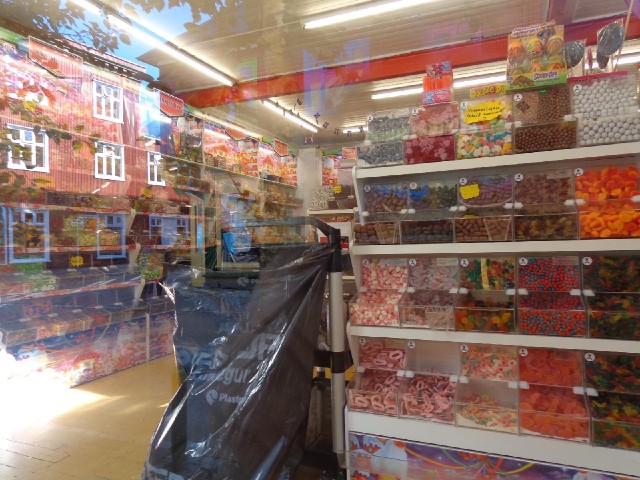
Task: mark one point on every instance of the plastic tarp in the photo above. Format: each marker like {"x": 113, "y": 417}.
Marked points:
{"x": 246, "y": 344}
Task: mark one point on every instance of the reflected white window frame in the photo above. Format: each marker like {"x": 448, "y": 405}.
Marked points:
{"x": 112, "y": 221}
{"x": 108, "y": 98}
{"x": 28, "y": 137}
{"x": 38, "y": 218}
{"x": 154, "y": 175}
{"x": 107, "y": 156}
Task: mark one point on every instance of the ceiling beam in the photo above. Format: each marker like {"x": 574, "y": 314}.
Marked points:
{"x": 562, "y": 11}
{"x": 472, "y": 53}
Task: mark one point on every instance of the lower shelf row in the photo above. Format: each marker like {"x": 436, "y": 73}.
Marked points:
{"x": 608, "y": 419}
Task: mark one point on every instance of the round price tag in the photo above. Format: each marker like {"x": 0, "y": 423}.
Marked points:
{"x": 370, "y": 118}
{"x": 362, "y": 341}
{"x": 464, "y": 348}
{"x": 413, "y": 262}
{"x": 463, "y": 105}
{"x": 519, "y": 177}
{"x": 365, "y": 263}
{"x": 413, "y": 185}
{"x": 523, "y": 261}
{"x": 464, "y": 262}
{"x": 367, "y": 188}
{"x": 517, "y": 97}
{"x": 578, "y": 172}
{"x": 589, "y": 357}
{"x": 577, "y": 88}
{"x": 414, "y": 111}
{"x": 411, "y": 344}
{"x": 523, "y": 352}
{"x": 586, "y": 261}
{"x": 463, "y": 181}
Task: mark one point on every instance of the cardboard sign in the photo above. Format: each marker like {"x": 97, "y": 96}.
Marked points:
{"x": 281, "y": 148}
{"x": 349, "y": 153}
{"x": 486, "y": 90}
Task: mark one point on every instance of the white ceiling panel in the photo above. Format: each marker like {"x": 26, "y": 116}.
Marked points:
{"x": 589, "y": 9}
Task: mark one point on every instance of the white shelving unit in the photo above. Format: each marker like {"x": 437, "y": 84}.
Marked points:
{"x": 537, "y": 449}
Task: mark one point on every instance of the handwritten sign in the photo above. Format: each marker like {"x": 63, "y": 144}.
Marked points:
{"x": 483, "y": 112}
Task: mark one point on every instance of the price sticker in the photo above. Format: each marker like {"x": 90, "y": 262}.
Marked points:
{"x": 577, "y": 88}
{"x": 415, "y": 111}
{"x": 578, "y": 172}
{"x": 362, "y": 341}
{"x": 523, "y": 352}
{"x": 589, "y": 357}
{"x": 517, "y": 97}
{"x": 365, "y": 263}
{"x": 519, "y": 177}
{"x": 523, "y": 261}
{"x": 413, "y": 262}
{"x": 367, "y": 188}
{"x": 463, "y": 181}
{"x": 411, "y": 344}
{"x": 464, "y": 348}
{"x": 586, "y": 261}
{"x": 463, "y": 105}
{"x": 413, "y": 185}
{"x": 464, "y": 262}
{"x": 370, "y": 118}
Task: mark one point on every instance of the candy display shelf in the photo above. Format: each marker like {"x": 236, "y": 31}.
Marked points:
{"x": 622, "y": 462}
{"x": 388, "y": 197}
{"x": 552, "y": 157}
{"x": 446, "y": 249}
{"x": 571, "y": 343}
{"x": 65, "y": 208}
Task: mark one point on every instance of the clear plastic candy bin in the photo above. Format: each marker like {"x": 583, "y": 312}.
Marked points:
{"x": 605, "y": 130}
{"x": 545, "y": 222}
{"x": 551, "y": 313}
{"x": 385, "y": 201}
{"x": 478, "y": 144}
{"x": 485, "y": 190}
{"x": 543, "y": 137}
{"x": 615, "y": 420}
{"x": 489, "y": 362}
{"x": 380, "y": 154}
{"x": 374, "y": 391}
{"x": 388, "y": 125}
{"x": 381, "y": 353}
{"x": 485, "y": 311}
{"x": 375, "y": 308}
{"x": 435, "y": 226}
{"x": 490, "y": 224}
{"x": 545, "y": 366}
{"x": 543, "y": 105}
{"x": 549, "y": 274}
{"x": 553, "y": 187}
{"x": 488, "y": 273}
{"x": 487, "y": 405}
{"x": 437, "y": 119}
{"x": 428, "y": 397}
{"x": 431, "y": 309}
{"x": 376, "y": 233}
{"x": 604, "y": 95}
{"x": 433, "y": 273}
{"x": 555, "y": 412}
{"x": 384, "y": 273}
{"x": 486, "y": 114}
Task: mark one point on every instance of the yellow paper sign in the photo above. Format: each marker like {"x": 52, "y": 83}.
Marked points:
{"x": 485, "y": 90}
{"x": 483, "y": 112}
{"x": 470, "y": 191}
{"x": 337, "y": 189}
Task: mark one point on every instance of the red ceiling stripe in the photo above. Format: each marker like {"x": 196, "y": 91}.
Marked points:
{"x": 471, "y": 53}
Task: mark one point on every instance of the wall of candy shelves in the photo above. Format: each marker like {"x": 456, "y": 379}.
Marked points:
{"x": 497, "y": 265}
{"x": 102, "y": 182}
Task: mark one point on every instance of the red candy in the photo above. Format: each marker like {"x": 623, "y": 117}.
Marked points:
{"x": 429, "y": 149}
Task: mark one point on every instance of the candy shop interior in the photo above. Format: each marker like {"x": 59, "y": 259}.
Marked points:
{"x": 169, "y": 168}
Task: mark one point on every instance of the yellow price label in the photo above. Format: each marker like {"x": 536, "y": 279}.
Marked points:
{"x": 337, "y": 189}
{"x": 483, "y": 112}
{"x": 470, "y": 191}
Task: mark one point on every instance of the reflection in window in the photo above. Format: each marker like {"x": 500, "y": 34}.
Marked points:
{"x": 109, "y": 159}
{"x": 170, "y": 231}
{"x": 111, "y": 236}
{"x": 107, "y": 102}
{"x": 154, "y": 169}
{"x": 29, "y": 150}
{"x": 28, "y": 235}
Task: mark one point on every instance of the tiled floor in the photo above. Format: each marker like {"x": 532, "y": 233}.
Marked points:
{"x": 98, "y": 431}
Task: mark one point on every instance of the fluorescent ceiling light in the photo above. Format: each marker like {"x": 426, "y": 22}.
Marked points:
{"x": 397, "y": 93}
{"x": 289, "y": 115}
{"x": 461, "y": 83}
{"x": 355, "y": 129}
{"x": 356, "y": 14}
{"x": 172, "y": 51}
{"x": 470, "y": 82}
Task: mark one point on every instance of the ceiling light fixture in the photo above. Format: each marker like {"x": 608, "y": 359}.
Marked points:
{"x": 157, "y": 42}
{"x": 628, "y": 60}
{"x": 460, "y": 83}
{"x": 358, "y": 13}
{"x": 288, "y": 114}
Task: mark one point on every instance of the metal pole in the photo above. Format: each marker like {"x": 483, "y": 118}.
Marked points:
{"x": 337, "y": 336}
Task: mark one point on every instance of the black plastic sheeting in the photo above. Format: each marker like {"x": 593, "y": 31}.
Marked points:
{"x": 245, "y": 343}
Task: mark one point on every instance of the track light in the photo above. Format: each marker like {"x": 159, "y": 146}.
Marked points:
{"x": 358, "y": 13}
